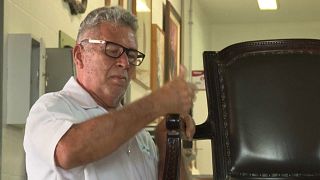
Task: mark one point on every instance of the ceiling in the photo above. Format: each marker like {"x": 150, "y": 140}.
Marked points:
{"x": 247, "y": 11}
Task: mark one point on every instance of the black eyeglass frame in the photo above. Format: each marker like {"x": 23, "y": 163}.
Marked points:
{"x": 136, "y": 62}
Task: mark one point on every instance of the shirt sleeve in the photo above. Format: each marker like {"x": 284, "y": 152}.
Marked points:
{"x": 49, "y": 119}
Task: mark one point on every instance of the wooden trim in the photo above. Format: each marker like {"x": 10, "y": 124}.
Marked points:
{"x": 107, "y": 2}
{"x": 134, "y": 7}
{"x": 1, "y": 67}
{"x": 120, "y": 3}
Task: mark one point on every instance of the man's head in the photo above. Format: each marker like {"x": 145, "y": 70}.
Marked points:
{"x": 106, "y": 54}
{"x": 114, "y": 15}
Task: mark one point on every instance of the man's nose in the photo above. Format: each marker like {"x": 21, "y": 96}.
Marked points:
{"x": 123, "y": 61}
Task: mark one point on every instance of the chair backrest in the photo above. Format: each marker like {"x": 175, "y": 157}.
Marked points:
{"x": 264, "y": 110}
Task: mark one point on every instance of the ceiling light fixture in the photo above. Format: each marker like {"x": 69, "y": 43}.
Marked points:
{"x": 268, "y": 4}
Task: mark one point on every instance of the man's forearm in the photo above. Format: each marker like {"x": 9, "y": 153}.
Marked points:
{"x": 96, "y": 138}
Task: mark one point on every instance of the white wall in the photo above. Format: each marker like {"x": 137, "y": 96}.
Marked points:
{"x": 223, "y": 35}
{"x": 43, "y": 19}
{"x": 157, "y": 12}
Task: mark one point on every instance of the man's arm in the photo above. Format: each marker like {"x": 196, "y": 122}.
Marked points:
{"x": 98, "y": 137}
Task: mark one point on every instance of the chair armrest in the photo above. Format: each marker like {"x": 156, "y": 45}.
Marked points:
{"x": 173, "y": 148}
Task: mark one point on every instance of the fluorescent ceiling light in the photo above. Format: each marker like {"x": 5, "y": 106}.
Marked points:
{"x": 267, "y": 4}
{"x": 142, "y": 6}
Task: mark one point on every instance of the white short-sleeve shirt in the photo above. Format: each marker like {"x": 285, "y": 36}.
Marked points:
{"x": 51, "y": 117}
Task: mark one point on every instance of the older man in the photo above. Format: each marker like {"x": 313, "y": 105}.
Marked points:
{"x": 82, "y": 131}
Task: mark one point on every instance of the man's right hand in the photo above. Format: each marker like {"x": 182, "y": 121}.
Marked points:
{"x": 177, "y": 95}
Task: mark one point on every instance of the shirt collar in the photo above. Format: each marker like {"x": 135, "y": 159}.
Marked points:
{"x": 73, "y": 89}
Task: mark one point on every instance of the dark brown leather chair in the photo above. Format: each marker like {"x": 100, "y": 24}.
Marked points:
{"x": 264, "y": 110}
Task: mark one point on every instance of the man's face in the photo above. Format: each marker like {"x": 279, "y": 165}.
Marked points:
{"x": 107, "y": 77}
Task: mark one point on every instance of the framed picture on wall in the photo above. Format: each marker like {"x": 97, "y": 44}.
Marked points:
{"x": 113, "y": 2}
{"x": 172, "y": 26}
{"x": 107, "y": 2}
{"x": 157, "y": 57}
{"x": 66, "y": 41}
{"x": 129, "y": 5}
{"x": 126, "y": 4}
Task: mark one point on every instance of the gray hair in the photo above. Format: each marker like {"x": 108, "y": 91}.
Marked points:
{"x": 113, "y": 14}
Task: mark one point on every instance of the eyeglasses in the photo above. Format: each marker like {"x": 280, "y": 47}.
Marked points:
{"x": 115, "y": 50}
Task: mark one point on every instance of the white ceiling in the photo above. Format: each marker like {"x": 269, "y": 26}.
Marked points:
{"x": 247, "y": 11}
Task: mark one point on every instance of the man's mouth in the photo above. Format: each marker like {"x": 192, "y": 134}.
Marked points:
{"x": 119, "y": 78}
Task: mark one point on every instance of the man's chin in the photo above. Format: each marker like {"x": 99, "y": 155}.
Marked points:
{"x": 119, "y": 88}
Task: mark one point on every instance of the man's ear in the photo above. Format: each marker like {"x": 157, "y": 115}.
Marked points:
{"x": 77, "y": 56}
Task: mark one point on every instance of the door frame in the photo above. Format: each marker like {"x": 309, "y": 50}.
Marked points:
{"x": 1, "y": 76}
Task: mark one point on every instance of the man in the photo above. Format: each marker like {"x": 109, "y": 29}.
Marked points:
{"x": 82, "y": 131}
